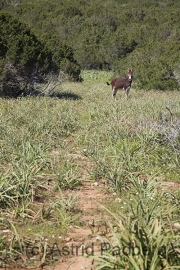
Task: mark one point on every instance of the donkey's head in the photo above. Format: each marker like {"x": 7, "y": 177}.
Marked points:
{"x": 130, "y": 74}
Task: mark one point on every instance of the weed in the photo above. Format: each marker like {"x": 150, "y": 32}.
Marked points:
{"x": 67, "y": 175}
{"x": 129, "y": 144}
{"x": 143, "y": 238}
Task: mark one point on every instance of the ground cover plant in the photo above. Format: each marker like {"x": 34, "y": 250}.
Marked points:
{"x": 143, "y": 234}
{"x": 132, "y": 145}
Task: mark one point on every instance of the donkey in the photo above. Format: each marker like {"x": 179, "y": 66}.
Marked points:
{"x": 122, "y": 83}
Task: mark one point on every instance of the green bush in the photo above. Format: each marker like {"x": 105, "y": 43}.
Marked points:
{"x": 24, "y": 58}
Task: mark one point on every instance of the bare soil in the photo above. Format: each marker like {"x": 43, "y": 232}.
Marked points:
{"x": 86, "y": 239}
{"x": 85, "y": 243}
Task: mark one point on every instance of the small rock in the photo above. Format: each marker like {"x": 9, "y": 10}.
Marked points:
{"x": 67, "y": 239}
{"x": 176, "y": 225}
{"x": 6, "y": 231}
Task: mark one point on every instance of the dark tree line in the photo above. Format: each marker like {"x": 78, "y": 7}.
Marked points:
{"x": 108, "y": 35}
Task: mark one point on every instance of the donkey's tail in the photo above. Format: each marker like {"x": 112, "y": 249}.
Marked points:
{"x": 108, "y": 83}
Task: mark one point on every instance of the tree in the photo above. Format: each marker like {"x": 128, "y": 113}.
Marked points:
{"x": 63, "y": 57}
{"x": 24, "y": 59}
{"x": 155, "y": 66}
{"x": 143, "y": 34}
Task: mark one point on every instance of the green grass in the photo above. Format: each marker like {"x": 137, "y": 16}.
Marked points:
{"x": 123, "y": 139}
{"x": 141, "y": 234}
{"x": 96, "y": 75}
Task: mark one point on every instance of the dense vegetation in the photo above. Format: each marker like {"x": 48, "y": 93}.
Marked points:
{"x": 108, "y": 35}
{"x": 25, "y": 60}
{"x": 51, "y": 147}
{"x": 132, "y": 147}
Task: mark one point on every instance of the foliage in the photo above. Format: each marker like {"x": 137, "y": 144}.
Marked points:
{"x": 131, "y": 145}
{"x": 63, "y": 57}
{"x": 156, "y": 69}
{"x": 111, "y": 35}
{"x": 142, "y": 231}
{"x": 31, "y": 158}
{"x": 24, "y": 58}
{"x": 67, "y": 176}
{"x": 96, "y": 75}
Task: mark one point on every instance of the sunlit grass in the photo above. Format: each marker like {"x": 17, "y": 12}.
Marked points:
{"x": 120, "y": 139}
{"x": 96, "y": 75}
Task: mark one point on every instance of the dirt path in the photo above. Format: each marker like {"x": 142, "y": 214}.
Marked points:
{"x": 81, "y": 239}
{"x": 85, "y": 241}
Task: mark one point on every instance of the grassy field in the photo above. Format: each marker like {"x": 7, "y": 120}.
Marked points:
{"x": 133, "y": 145}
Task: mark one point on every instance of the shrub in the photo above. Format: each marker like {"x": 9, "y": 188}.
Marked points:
{"x": 24, "y": 58}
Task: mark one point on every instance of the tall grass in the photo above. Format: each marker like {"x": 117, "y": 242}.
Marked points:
{"x": 142, "y": 235}
{"x": 122, "y": 139}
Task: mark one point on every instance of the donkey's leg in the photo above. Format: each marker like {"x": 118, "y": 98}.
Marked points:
{"x": 127, "y": 91}
{"x": 114, "y": 92}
